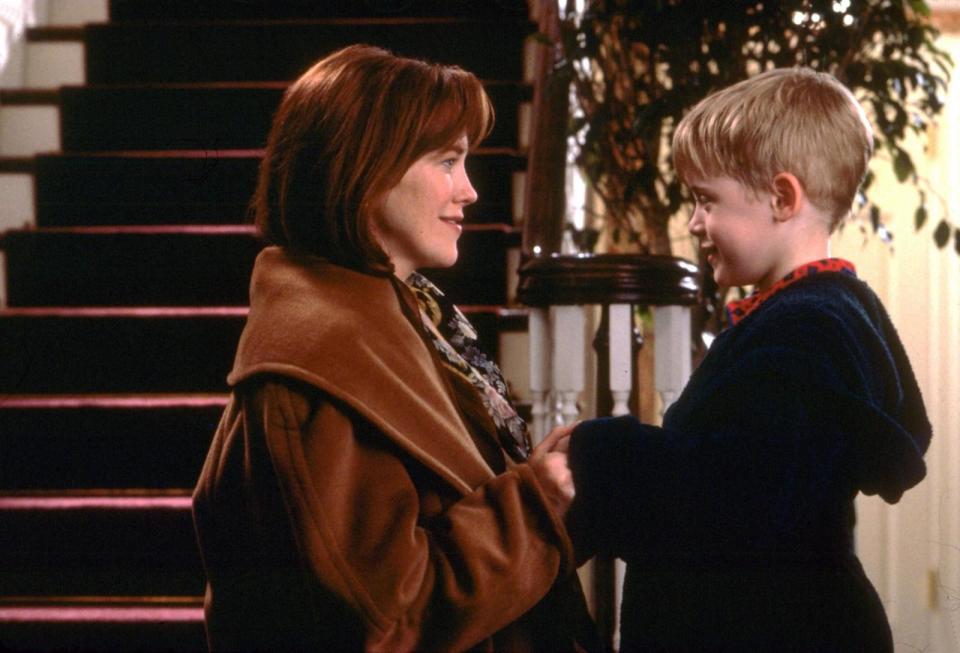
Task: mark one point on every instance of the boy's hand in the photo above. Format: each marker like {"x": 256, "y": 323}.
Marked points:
{"x": 549, "y": 463}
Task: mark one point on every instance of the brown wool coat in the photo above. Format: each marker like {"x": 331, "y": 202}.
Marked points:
{"x": 344, "y": 504}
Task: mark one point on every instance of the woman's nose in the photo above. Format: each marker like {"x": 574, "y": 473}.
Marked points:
{"x": 466, "y": 193}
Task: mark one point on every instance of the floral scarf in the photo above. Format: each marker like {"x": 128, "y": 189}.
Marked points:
{"x": 455, "y": 340}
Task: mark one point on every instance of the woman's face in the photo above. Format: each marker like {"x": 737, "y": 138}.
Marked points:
{"x": 421, "y": 218}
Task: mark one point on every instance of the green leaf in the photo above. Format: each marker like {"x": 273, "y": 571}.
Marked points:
{"x": 920, "y": 7}
{"x": 920, "y": 217}
{"x": 942, "y": 234}
{"x": 902, "y": 165}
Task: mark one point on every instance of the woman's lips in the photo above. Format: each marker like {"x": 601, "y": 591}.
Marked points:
{"x": 454, "y": 222}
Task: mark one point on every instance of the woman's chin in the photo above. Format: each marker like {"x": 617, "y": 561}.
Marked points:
{"x": 445, "y": 261}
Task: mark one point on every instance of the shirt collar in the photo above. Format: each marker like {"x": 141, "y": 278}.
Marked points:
{"x": 741, "y": 308}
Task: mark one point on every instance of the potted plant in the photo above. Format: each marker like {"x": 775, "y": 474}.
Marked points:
{"x": 637, "y": 65}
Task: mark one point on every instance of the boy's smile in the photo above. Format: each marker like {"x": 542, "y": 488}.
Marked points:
{"x": 737, "y": 232}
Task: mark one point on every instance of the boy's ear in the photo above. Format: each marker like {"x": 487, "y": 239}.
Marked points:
{"x": 787, "y": 196}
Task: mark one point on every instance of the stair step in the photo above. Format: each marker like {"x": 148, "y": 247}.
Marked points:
{"x": 157, "y": 170}
{"x": 99, "y": 544}
{"x": 70, "y": 442}
{"x": 127, "y": 350}
{"x": 55, "y": 33}
{"x": 189, "y": 10}
{"x": 102, "y": 624}
{"x": 204, "y": 186}
{"x": 186, "y": 266}
{"x": 125, "y": 53}
{"x": 209, "y": 116}
{"x": 152, "y": 266}
{"x": 27, "y": 97}
{"x": 15, "y": 165}
{"x": 76, "y": 351}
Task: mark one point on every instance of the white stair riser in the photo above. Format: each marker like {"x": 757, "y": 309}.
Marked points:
{"x": 52, "y": 64}
{"x": 16, "y": 209}
{"x": 27, "y": 130}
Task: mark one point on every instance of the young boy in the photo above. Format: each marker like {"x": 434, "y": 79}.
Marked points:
{"x": 736, "y": 517}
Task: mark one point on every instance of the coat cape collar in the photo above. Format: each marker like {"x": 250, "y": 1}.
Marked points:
{"x": 346, "y": 333}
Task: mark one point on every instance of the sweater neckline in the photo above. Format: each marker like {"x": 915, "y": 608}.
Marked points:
{"x": 741, "y": 308}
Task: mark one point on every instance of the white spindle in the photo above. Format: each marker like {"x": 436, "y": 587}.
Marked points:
{"x": 540, "y": 355}
{"x": 568, "y": 323}
{"x": 672, "y": 351}
{"x": 621, "y": 356}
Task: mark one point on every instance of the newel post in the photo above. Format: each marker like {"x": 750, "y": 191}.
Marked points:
{"x": 559, "y": 289}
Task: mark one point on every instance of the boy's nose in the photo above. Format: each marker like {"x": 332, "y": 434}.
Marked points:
{"x": 695, "y": 225}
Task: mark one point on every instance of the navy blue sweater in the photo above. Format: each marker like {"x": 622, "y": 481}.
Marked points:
{"x": 736, "y": 517}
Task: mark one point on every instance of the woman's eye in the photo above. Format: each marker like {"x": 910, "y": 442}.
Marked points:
{"x": 448, "y": 163}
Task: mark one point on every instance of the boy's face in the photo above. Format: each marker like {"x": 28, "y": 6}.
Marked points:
{"x": 736, "y": 230}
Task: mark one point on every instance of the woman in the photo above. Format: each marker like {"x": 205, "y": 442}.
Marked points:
{"x": 368, "y": 487}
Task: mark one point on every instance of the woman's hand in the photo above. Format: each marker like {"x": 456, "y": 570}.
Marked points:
{"x": 549, "y": 463}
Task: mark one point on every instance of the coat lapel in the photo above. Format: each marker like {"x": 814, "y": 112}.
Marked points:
{"x": 344, "y": 332}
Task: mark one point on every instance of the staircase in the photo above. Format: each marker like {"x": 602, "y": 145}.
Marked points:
{"x": 126, "y": 298}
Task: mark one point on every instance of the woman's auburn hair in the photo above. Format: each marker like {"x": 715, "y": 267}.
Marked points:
{"x": 344, "y": 134}
{"x": 783, "y": 120}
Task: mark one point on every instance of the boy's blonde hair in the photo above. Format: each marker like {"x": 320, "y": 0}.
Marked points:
{"x": 784, "y": 120}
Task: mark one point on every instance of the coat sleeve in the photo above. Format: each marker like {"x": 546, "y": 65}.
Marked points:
{"x": 443, "y": 583}
{"x": 769, "y": 452}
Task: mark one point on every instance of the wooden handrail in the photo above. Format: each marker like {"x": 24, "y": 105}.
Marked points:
{"x": 545, "y": 201}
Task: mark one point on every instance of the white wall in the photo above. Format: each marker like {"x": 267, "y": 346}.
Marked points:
{"x": 912, "y": 550}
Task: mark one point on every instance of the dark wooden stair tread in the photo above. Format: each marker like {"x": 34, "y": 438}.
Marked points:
{"x": 197, "y": 186}
{"x": 118, "y": 53}
{"x": 111, "y": 542}
{"x": 72, "y": 442}
{"x": 143, "y": 349}
{"x": 102, "y": 623}
{"x": 125, "y": 350}
{"x": 212, "y": 115}
{"x": 196, "y": 265}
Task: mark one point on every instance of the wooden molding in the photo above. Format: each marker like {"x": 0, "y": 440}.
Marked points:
{"x": 608, "y": 279}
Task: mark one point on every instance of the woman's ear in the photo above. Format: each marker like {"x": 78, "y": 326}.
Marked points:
{"x": 787, "y": 197}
